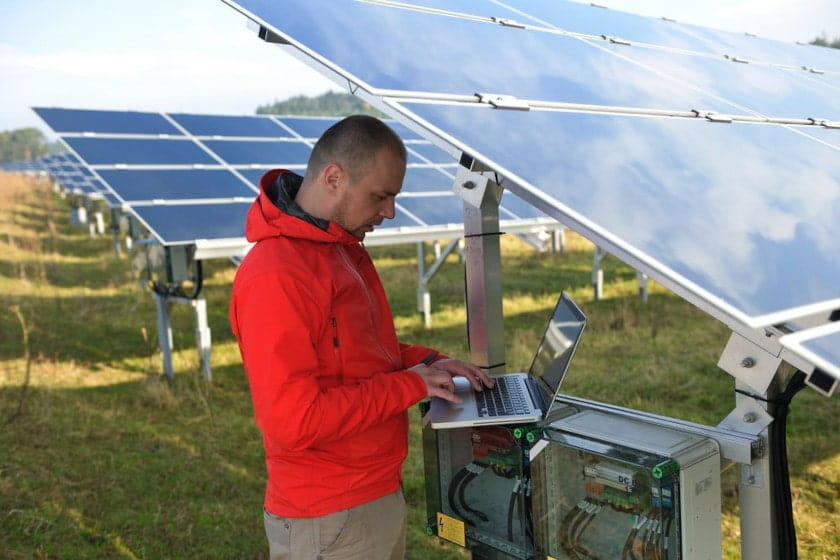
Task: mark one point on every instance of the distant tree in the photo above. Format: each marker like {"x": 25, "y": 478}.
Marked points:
{"x": 24, "y": 144}
{"x": 329, "y": 104}
{"x": 824, "y": 42}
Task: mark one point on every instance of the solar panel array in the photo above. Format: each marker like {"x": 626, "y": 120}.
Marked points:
{"x": 707, "y": 160}
{"x": 190, "y": 178}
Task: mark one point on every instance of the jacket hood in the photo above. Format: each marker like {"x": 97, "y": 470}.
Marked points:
{"x": 275, "y": 213}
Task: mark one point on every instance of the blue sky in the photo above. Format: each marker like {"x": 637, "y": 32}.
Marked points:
{"x": 199, "y": 56}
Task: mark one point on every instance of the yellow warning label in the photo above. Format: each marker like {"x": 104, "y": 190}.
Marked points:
{"x": 550, "y": 558}
{"x": 451, "y": 529}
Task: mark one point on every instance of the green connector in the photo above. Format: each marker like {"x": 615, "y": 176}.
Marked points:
{"x": 530, "y": 432}
{"x": 519, "y": 431}
{"x": 664, "y": 468}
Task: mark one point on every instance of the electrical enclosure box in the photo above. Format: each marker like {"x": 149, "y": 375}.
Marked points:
{"x": 589, "y": 485}
{"x": 172, "y": 265}
{"x": 476, "y": 490}
{"x": 607, "y": 486}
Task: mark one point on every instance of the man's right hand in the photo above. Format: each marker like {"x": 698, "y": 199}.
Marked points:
{"x": 438, "y": 383}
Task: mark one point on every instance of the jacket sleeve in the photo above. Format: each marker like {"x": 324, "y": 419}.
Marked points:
{"x": 413, "y": 354}
{"x": 279, "y": 321}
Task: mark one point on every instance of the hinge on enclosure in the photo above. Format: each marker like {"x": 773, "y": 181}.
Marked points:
{"x": 734, "y": 58}
{"x": 711, "y": 116}
{"x": 616, "y": 40}
{"x": 508, "y": 22}
{"x": 500, "y": 101}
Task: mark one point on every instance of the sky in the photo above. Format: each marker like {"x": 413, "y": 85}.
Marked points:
{"x": 199, "y": 55}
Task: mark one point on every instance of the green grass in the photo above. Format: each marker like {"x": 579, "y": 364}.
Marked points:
{"x": 100, "y": 458}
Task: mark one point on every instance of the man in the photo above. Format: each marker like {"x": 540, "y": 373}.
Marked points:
{"x": 329, "y": 380}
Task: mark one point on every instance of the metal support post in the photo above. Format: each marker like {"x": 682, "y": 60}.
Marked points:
{"x": 481, "y": 198}
{"x": 202, "y": 332}
{"x": 558, "y": 240}
{"x": 202, "y": 336}
{"x": 115, "y": 231}
{"x": 598, "y": 272}
{"x": 642, "y": 281}
{"x": 424, "y": 299}
{"x": 164, "y": 333}
{"x": 759, "y": 373}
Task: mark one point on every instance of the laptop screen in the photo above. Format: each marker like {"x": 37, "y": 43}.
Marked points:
{"x": 561, "y": 337}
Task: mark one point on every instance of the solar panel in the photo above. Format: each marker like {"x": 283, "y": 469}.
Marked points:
{"x": 576, "y": 72}
{"x": 184, "y": 224}
{"x": 124, "y": 122}
{"x": 175, "y": 184}
{"x": 702, "y": 206}
{"x": 230, "y": 125}
{"x": 247, "y": 152}
{"x": 138, "y": 151}
{"x": 308, "y": 127}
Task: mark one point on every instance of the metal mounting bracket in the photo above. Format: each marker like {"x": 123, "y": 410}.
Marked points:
{"x": 616, "y": 40}
{"x": 749, "y": 363}
{"x": 711, "y": 116}
{"x": 501, "y": 101}
{"x": 748, "y": 417}
{"x": 738, "y": 59}
{"x": 508, "y": 22}
{"x": 474, "y": 188}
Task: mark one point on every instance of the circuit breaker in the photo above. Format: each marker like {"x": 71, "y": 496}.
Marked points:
{"x": 587, "y": 485}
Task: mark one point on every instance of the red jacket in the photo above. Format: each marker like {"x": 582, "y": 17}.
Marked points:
{"x": 326, "y": 372}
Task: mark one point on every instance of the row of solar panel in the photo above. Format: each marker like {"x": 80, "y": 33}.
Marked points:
{"x": 184, "y": 188}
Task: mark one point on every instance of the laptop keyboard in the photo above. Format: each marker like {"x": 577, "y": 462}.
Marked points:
{"x": 504, "y": 399}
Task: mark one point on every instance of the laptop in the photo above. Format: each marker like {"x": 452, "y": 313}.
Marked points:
{"x": 532, "y": 394}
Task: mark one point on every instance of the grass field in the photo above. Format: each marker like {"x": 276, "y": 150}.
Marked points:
{"x": 101, "y": 458}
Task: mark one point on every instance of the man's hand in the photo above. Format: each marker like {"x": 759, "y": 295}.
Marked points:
{"x": 438, "y": 382}
{"x": 477, "y": 377}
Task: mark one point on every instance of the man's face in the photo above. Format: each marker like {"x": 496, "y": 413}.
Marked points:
{"x": 367, "y": 201}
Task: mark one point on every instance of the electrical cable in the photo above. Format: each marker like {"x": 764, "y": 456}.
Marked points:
{"x": 627, "y": 549}
{"x": 564, "y": 534}
{"x": 779, "y": 469}
{"x": 511, "y": 509}
{"x": 453, "y": 490}
{"x": 462, "y": 496}
{"x": 591, "y": 511}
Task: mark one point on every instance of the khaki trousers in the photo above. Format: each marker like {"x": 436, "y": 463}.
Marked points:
{"x": 371, "y": 531}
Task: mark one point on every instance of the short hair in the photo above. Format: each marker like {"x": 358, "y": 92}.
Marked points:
{"x": 353, "y": 142}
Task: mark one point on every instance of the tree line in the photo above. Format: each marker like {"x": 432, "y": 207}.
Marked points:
{"x": 329, "y": 104}
{"x": 25, "y": 144}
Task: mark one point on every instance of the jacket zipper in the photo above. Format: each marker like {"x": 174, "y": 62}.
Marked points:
{"x": 346, "y": 259}
{"x": 336, "y": 346}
